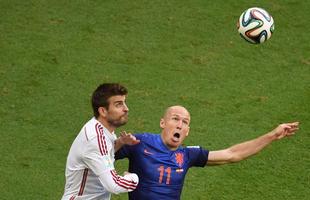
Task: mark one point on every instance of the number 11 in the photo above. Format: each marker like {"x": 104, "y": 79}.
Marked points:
{"x": 162, "y": 170}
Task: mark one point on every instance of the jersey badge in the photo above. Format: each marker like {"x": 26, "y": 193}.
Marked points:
{"x": 107, "y": 162}
{"x": 179, "y": 158}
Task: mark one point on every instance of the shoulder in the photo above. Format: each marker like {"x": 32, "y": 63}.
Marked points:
{"x": 145, "y": 136}
{"x": 92, "y": 129}
{"x": 197, "y": 155}
{"x": 196, "y": 150}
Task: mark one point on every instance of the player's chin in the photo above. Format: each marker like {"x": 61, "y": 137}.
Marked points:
{"x": 124, "y": 119}
{"x": 174, "y": 144}
{"x": 172, "y": 147}
{"x": 120, "y": 122}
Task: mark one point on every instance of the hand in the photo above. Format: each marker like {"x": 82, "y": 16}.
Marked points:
{"x": 284, "y": 130}
{"x": 128, "y": 138}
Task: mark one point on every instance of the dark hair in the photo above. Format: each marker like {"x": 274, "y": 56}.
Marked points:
{"x": 101, "y": 95}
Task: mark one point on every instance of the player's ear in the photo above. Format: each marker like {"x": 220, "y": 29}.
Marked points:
{"x": 187, "y": 131}
{"x": 162, "y": 123}
{"x": 102, "y": 111}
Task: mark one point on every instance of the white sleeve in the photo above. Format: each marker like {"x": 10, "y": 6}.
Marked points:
{"x": 117, "y": 184}
{"x": 103, "y": 167}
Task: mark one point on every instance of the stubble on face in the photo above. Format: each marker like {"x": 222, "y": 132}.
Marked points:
{"x": 117, "y": 111}
{"x": 118, "y": 121}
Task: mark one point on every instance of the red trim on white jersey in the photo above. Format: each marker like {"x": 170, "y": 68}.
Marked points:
{"x": 83, "y": 182}
{"x": 105, "y": 144}
{"x": 123, "y": 182}
{"x": 101, "y": 139}
{"x": 72, "y": 198}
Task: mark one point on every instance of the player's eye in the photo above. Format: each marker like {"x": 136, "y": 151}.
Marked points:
{"x": 119, "y": 104}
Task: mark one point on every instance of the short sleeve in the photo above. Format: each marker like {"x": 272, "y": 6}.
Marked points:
{"x": 198, "y": 156}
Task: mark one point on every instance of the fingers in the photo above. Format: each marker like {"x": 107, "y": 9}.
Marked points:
{"x": 292, "y": 125}
{"x": 290, "y": 128}
{"x": 136, "y": 141}
{"x": 286, "y": 129}
{"x": 128, "y": 138}
{"x": 124, "y": 134}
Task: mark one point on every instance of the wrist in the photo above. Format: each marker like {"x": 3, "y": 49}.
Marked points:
{"x": 119, "y": 141}
{"x": 272, "y": 136}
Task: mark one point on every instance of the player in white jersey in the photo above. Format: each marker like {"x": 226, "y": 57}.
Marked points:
{"x": 90, "y": 172}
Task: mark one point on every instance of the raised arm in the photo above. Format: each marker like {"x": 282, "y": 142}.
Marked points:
{"x": 125, "y": 138}
{"x": 246, "y": 149}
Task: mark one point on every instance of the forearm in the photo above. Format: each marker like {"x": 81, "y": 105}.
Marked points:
{"x": 116, "y": 184}
{"x": 246, "y": 149}
{"x": 118, "y": 144}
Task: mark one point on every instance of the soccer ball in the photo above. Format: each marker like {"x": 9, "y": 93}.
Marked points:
{"x": 255, "y": 25}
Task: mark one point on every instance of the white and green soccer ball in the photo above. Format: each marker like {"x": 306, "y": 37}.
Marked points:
{"x": 255, "y": 25}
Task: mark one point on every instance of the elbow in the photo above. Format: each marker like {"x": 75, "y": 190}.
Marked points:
{"x": 235, "y": 157}
{"x": 239, "y": 156}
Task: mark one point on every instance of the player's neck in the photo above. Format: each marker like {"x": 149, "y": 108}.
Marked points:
{"x": 167, "y": 145}
{"x": 106, "y": 124}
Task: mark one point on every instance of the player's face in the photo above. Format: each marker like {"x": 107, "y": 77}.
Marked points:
{"x": 175, "y": 126}
{"x": 117, "y": 112}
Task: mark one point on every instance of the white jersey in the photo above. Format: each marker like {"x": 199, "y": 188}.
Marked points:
{"x": 90, "y": 172}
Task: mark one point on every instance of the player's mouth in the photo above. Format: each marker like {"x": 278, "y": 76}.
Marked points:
{"x": 125, "y": 115}
{"x": 176, "y": 137}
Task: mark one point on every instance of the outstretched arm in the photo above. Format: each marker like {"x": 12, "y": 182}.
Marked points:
{"x": 246, "y": 149}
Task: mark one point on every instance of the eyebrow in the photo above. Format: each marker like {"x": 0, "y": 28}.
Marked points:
{"x": 116, "y": 102}
{"x": 176, "y": 115}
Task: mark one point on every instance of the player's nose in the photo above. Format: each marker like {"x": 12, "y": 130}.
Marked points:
{"x": 179, "y": 124}
{"x": 126, "y": 109}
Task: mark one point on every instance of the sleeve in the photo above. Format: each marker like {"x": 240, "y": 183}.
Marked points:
{"x": 117, "y": 184}
{"x": 102, "y": 165}
{"x": 123, "y": 152}
{"x": 198, "y": 156}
